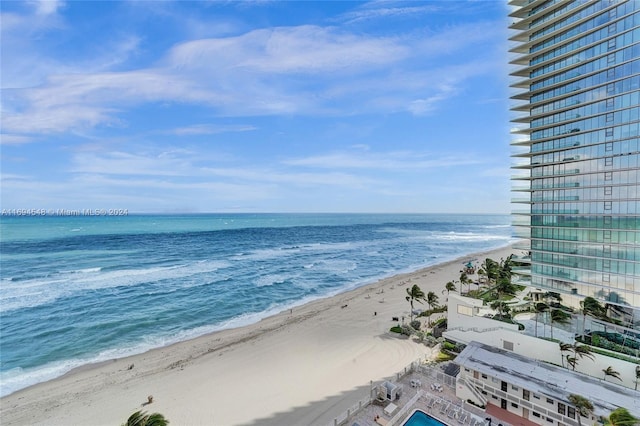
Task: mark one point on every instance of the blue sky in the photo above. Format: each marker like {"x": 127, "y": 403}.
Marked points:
{"x": 255, "y": 106}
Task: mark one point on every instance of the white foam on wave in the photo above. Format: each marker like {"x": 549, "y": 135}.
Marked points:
{"x": 285, "y": 251}
{"x": 19, "y": 378}
{"x": 39, "y": 291}
{"x": 271, "y": 279}
{"x": 82, "y": 271}
{"x": 469, "y": 236}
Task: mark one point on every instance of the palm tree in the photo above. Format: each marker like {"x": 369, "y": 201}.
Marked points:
{"x": 583, "y": 406}
{"x": 464, "y": 279}
{"x": 583, "y": 351}
{"x": 141, "y": 418}
{"x": 500, "y": 306}
{"x": 504, "y": 270}
{"x": 414, "y": 294}
{"x": 579, "y": 351}
{"x": 620, "y": 417}
{"x": 540, "y": 308}
{"x": 609, "y": 371}
{"x": 489, "y": 268}
{"x": 559, "y": 316}
{"x": 571, "y": 361}
{"x": 504, "y": 287}
{"x": 564, "y": 347}
{"x": 432, "y": 301}
{"x": 450, "y": 286}
{"x": 590, "y": 306}
{"x": 637, "y": 376}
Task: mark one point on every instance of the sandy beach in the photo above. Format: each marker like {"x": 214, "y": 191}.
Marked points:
{"x": 300, "y": 367}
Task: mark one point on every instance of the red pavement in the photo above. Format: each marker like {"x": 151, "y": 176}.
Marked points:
{"x": 507, "y": 417}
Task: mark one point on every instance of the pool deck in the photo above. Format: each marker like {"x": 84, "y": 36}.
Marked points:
{"x": 444, "y": 406}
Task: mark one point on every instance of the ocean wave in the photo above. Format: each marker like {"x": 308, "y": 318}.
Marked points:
{"x": 269, "y": 280}
{"x": 35, "y": 292}
{"x": 184, "y": 284}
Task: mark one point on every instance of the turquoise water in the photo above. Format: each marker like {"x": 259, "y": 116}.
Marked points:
{"x": 420, "y": 418}
{"x": 76, "y": 290}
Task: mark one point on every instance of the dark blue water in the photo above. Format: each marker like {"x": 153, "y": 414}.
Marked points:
{"x": 76, "y": 290}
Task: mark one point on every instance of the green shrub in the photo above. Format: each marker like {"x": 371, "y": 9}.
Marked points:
{"x": 448, "y": 346}
{"x": 443, "y": 356}
{"x": 416, "y": 324}
{"x": 407, "y": 330}
{"x": 439, "y": 321}
{"x": 396, "y": 329}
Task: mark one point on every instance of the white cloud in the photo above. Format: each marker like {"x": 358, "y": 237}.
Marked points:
{"x": 303, "y": 49}
{"x": 9, "y": 139}
{"x": 46, "y": 7}
{"x": 208, "y": 129}
{"x": 377, "y": 10}
{"x": 298, "y": 70}
{"x": 397, "y": 161}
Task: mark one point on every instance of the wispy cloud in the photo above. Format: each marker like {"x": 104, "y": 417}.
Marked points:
{"x": 398, "y": 161}
{"x": 387, "y": 9}
{"x": 46, "y": 7}
{"x": 209, "y": 129}
{"x": 255, "y": 73}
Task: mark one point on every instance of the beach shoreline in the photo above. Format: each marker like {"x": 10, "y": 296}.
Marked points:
{"x": 261, "y": 373}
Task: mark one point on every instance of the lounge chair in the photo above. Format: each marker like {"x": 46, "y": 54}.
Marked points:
{"x": 453, "y": 413}
{"x": 381, "y": 421}
{"x": 431, "y": 403}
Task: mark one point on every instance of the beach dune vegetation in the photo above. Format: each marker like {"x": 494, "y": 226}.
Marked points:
{"x": 415, "y": 294}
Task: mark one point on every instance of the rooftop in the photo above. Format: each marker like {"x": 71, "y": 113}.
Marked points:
{"x": 546, "y": 379}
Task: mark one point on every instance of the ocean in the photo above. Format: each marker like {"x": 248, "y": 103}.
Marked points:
{"x": 82, "y": 289}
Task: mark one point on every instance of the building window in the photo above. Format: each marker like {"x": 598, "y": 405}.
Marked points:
{"x": 507, "y": 345}
{"x": 483, "y": 392}
{"x": 549, "y": 401}
{"x": 536, "y": 396}
{"x": 503, "y": 386}
{"x": 494, "y": 397}
{"x": 465, "y": 310}
{"x": 484, "y": 376}
{"x": 536, "y": 414}
{"x": 515, "y": 388}
{"x": 571, "y": 412}
{"x": 562, "y": 409}
{"x": 525, "y": 394}
{"x": 549, "y": 419}
{"x": 514, "y": 405}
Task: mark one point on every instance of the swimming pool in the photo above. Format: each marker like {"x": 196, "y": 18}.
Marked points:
{"x": 420, "y": 418}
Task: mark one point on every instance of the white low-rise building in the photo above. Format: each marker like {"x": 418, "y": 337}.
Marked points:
{"x": 536, "y": 392}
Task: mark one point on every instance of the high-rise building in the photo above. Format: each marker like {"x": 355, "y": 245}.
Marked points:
{"x": 576, "y": 116}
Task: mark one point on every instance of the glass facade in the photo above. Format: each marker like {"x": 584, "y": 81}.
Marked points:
{"x": 576, "y": 140}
